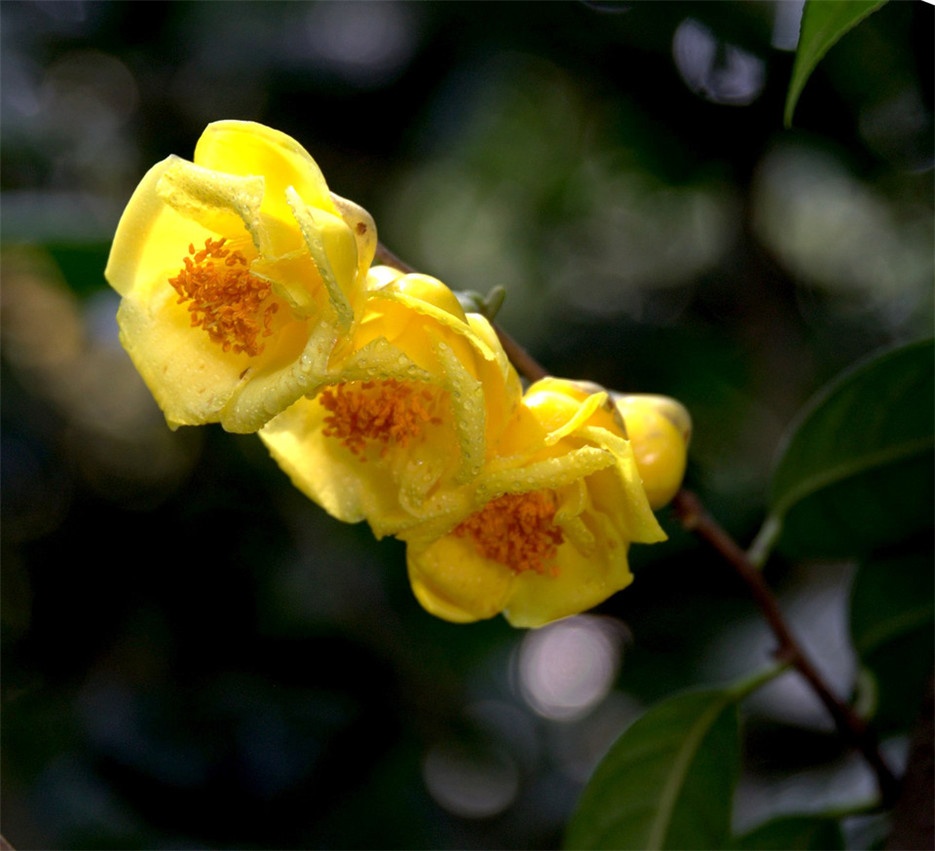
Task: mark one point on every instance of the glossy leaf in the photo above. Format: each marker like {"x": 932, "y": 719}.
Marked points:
{"x": 892, "y": 616}
{"x": 793, "y": 833}
{"x": 855, "y": 472}
{"x": 823, "y": 24}
{"x": 668, "y": 780}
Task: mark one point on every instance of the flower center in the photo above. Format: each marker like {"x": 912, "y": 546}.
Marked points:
{"x": 389, "y": 412}
{"x": 517, "y": 530}
{"x": 226, "y": 300}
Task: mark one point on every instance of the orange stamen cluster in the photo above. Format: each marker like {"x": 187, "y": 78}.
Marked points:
{"x": 226, "y": 300}
{"x": 516, "y": 530}
{"x": 389, "y": 412}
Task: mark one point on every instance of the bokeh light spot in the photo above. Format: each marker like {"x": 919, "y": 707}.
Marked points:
{"x": 365, "y": 43}
{"x": 787, "y": 19}
{"x": 469, "y": 782}
{"x": 834, "y": 231}
{"x": 719, "y": 72}
{"x": 566, "y": 669}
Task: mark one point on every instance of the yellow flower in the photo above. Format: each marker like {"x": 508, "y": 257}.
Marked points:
{"x": 552, "y": 517}
{"x": 417, "y": 396}
{"x": 238, "y": 273}
{"x": 659, "y": 429}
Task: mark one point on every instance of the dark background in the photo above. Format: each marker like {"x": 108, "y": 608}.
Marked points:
{"x": 194, "y": 656}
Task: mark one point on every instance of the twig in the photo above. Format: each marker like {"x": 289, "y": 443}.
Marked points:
{"x": 386, "y": 257}
{"x": 525, "y": 363}
{"x": 695, "y": 518}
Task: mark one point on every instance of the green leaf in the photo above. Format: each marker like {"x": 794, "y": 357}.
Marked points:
{"x": 855, "y": 472}
{"x": 891, "y": 597}
{"x": 668, "y": 780}
{"x": 793, "y": 833}
{"x": 823, "y": 23}
{"x": 892, "y": 616}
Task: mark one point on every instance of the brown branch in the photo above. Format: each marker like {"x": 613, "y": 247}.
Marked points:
{"x": 697, "y": 520}
{"x": 386, "y": 257}
{"x": 526, "y": 365}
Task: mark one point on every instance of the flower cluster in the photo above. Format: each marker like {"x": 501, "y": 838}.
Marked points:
{"x": 249, "y": 299}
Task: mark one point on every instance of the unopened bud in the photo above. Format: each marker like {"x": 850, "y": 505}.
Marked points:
{"x": 659, "y": 429}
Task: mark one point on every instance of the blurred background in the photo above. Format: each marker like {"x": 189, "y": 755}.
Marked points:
{"x": 194, "y": 656}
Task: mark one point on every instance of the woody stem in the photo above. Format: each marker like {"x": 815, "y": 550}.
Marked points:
{"x": 386, "y": 257}
{"x": 525, "y": 363}
{"x": 696, "y": 519}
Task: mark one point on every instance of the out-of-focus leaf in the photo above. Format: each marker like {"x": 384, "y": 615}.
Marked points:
{"x": 855, "y": 473}
{"x": 823, "y": 23}
{"x": 892, "y": 615}
{"x": 898, "y": 672}
{"x": 890, "y": 598}
{"x": 793, "y": 833}
{"x": 668, "y": 780}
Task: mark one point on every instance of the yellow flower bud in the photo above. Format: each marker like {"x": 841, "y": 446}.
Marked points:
{"x": 659, "y": 429}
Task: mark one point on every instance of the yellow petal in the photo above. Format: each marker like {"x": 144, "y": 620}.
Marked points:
{"x": 315, "y": 463}
{"x": 247, "y": 148}
{"x": 555, "y": 472}
{"x": 153, "y": 236}
{"x": 332, "y": 246}
{"x": 562, "y": 406}
{"x": 453, "y": 582}
{"x": 364, "y": 229}
{"x": 583, "y": 581}
{"x": 131, "y": 246}
{"x": 470, "y": 412}
{"x": 295, "y": 365}
{"x": 222, "y": 203}
{"x": 182, "y": 370}
{"x": 624, "y": 496}
{"x": 422, "y": 293}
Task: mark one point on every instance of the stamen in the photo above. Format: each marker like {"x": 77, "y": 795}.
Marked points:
{"x": 388, "y": 412}
{"x": 226, "y": 300}
{"x": 517, "y": 530}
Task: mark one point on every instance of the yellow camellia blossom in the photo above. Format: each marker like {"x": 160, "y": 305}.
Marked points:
{"x": 238, "y": 273}
{"x": 553, "y": 515}
{"x": 419, "y": 393}
{"x": 659, "y": 429}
